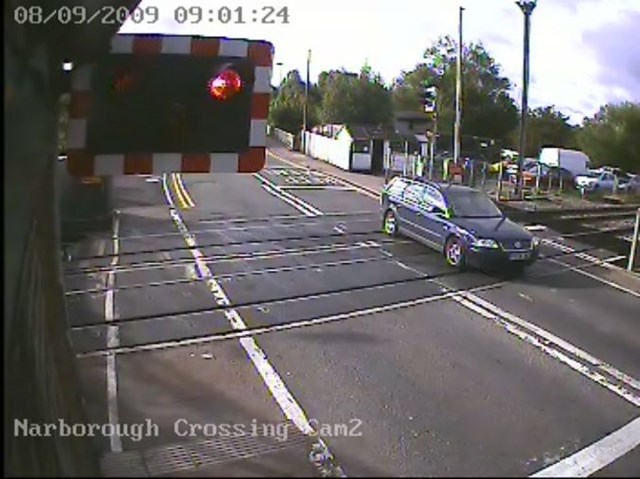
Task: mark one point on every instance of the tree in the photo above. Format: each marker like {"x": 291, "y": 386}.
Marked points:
{"x": 487, "y": 111}
{"x": 287, "y": 105}
{"x": 611, "y": 136}
{"x": 348, "y": 97}
{"x": 546, "y": 126}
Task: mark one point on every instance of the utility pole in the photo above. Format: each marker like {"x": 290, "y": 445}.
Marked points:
{"x": 430, "y": 104}
{"x": 434, "y": 137}
{"x": 306, "y": 105}
{"x": 457, "y": 126}
{"x": 527, "y": 7}
{"x": 279, "y": 65}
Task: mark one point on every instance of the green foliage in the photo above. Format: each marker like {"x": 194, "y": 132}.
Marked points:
{"x": 287, "y": 105}
{"x": 354, "y": 98}
{"x": 339, "y": 97}
{"x": 611, "y": 136}
{"x": 546, "y": 126}
{"x": 488, "y": 110}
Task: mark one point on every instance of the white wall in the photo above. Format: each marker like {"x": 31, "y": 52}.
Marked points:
{"x": 327, "y": 149}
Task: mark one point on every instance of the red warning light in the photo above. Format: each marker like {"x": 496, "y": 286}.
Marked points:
{"x": 123, "y": 82}
{"x": 226, "y": 85}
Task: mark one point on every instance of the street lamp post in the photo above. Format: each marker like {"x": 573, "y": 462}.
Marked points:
{"x": 527, "y": 7}
{"x": 305, "y": 107}
{"x": 458, "y": 120}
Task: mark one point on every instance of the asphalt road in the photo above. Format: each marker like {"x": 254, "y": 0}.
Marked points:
{"x": 272, "y": 305}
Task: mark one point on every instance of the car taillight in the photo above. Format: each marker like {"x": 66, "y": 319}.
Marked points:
{"x": 226, "y": 85}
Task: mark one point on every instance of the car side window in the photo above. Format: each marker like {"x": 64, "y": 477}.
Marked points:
{"x": 396, "y": 187}
{"x": 413, "y": 194}
{"x": 433, "y": 200}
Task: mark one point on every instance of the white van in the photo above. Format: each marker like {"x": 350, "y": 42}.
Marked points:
{"x": 574, "y": 161}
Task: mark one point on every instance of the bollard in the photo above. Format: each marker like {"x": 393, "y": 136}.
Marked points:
{"x": 634, "y": 242}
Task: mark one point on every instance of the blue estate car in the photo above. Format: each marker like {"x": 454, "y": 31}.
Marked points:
{"x": 463, "y": 223}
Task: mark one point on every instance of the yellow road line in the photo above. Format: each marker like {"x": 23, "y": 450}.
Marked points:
{"x": 176, "y": 188}
{"x": 186, "y": 194}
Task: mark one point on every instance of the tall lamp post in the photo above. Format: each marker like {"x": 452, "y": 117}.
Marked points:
{"x": 305, "y": 108}
{"x": 458, "y": 120}
{"x": 527, "y": 7}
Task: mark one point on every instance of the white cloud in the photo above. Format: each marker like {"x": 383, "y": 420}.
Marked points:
{"x": 566, "y": 71}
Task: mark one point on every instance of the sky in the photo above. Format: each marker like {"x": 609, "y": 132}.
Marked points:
{"x": 584, "y": 53}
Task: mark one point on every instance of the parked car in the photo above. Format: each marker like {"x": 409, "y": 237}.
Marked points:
{"x": 461, "y": 222}
{"x": 85, "y": 203}
{"x": 596, "y": 181}
{"x": 632, "y": 185}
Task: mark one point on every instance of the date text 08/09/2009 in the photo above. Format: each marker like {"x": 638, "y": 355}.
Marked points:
{"x": 149, "y": 15}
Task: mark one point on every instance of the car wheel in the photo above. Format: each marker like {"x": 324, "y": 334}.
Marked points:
{"x": 390, "y": 223}
{"x": 454, "y": 253}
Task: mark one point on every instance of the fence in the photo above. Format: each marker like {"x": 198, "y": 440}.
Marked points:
{"x": 286, "y": 138}
{"x": 331, "y": 150}
{"x": 477, "y": 174}
{"x": 41, "y": 381}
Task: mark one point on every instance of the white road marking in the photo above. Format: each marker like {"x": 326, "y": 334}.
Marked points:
{"x": 524, "y": 296}
{"x": 286, "y": 217}
{"x": 305, "y": 323}
{"x": 589, "y": 259}
{"x": 551, "y": 339}
{"x": 598, "y": 378}
{"x": 300, "y": 205}
{"x": 519, "y": 327}
{"x": 535, "y": 227}
{"x": 318, "y": 187}
{"x": 234, "y": 257}
{"x": 113, "y": 341}
{"x": 598, "y": 455}
{"x": 281, "y": 327}
{"x": 289, "y": 201}
{"x": 167, "y": 192}
{"x": 355, "y": 186}
{"x": 596, "y": 277}
{"x": 290, "y": 408}
{"x": 191, "y": 273}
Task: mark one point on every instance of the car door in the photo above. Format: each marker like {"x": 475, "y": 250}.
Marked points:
{"x": 408, "y": 208}
{"x": 606, "y": 182}
{"x": 432, "y": 216}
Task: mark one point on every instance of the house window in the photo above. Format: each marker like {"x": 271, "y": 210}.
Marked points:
{"x": 361, "y": 146}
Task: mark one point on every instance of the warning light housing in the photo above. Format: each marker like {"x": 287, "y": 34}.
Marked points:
{"x": 226, "y": 85}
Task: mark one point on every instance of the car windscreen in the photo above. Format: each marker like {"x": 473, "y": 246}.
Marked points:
{"x": 472, "y": 204}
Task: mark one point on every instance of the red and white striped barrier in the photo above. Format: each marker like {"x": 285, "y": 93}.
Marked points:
{"x": 82, "y": 162}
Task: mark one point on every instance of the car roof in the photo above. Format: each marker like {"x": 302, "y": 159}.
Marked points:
{"x": 442, "y": 187}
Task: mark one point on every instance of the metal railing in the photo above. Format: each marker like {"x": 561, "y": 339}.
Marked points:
{"x": 286, "y": 138}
